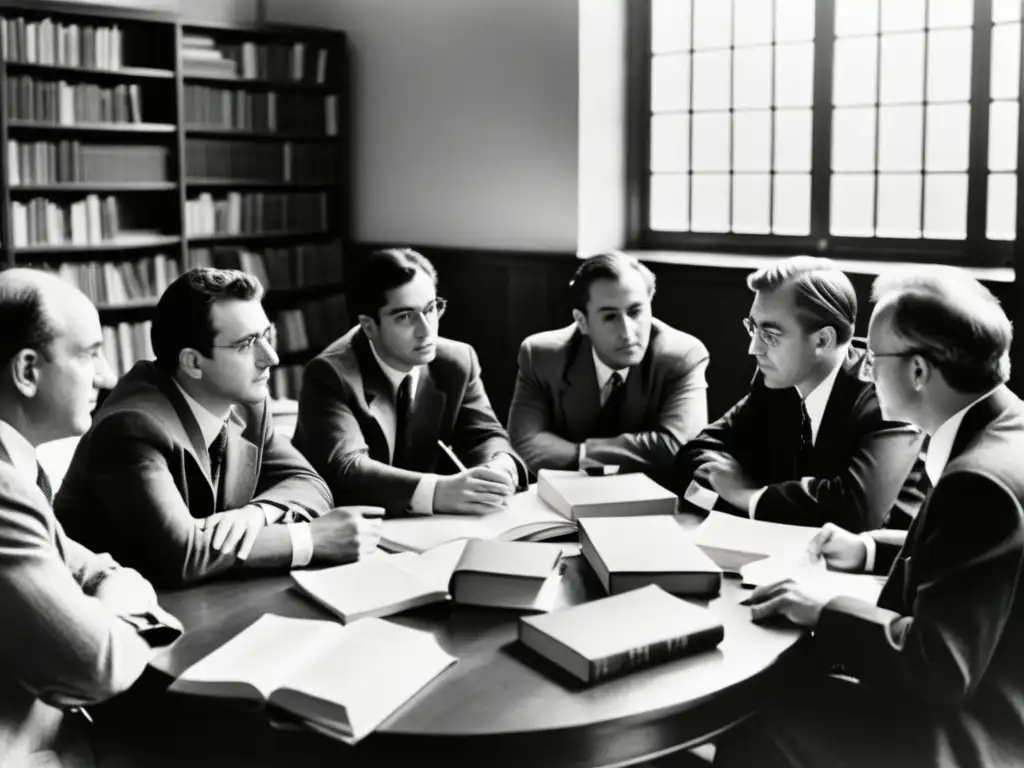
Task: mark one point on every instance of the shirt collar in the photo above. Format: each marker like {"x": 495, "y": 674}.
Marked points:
{"x": 817, "y": 399}
{"x": 941, "y": 443}
{"x": 395, "y": 376}
{"x": 604, "y": 372}
{"x": 209, "y": 424}
{"x": 21, "y": 451}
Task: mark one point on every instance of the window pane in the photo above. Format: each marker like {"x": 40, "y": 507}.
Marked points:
{"x": 1002, "y": 207}
{"x": 853, "y": 205}
{"x": 949, "y": 65}
{"x": 711, "y": 142}
{"x": 670, "y": 25}
{"x": 793, "y": 140}
{"x": 1002, "y": 136}
{"x": 670, "y": 83}
{"x": 753, "y": 22}
{"x": 752, "y": 142}
{"x": 791, "y": 213}
{"x": 855, "y": 66}
{"x": 711, "y": 80}
{"x": 945, "y": 206}
{"x": 710, "y": 203}
{"x": 794, "y": 20}
{"x": 899, "y": 205}
{"x": 947, "y": 134}
{"x": 853, "y": 139}
{"x": 900, "y": 15}
{"x": 899, "y": 138}
{"x": 949, "y": 13}
{"x": 1005, "y": 10}
{"x": 670, "y": 202}
{"x": 750, "y": 204}
{"x": 670, "y": 143}
{"x": 856, "y": 17}
{"x": 752, "y": 85}
{"x": 1005, "y": 76}
{"x": 902, "y": 76}
{"x": 712, "y": 27}
{"x": 794, "y": 75}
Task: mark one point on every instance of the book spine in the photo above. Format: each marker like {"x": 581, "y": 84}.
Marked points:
{"x": 655, "y": 653}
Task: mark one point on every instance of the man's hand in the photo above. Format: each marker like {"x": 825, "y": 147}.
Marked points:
{"x": 506, "y": 465}
{"x": 840, "y": 549}
{"x": 346, "y": 534}
{"x": 799, "y": 601}
{"x": 126, "y": 593}
{"x": 477, "y": 491}
{"x": 728, "y": 480}
{"x": 234, "y": 531}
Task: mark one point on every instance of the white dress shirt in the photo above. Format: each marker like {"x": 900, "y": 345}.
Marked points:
{"x": 299, "y": 533}
{"x": 604, "y": 387}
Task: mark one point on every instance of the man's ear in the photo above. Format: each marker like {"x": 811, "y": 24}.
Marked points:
{"x": 921, "y": 371}
{"x": 581, "y": 322}
{"x": 826, "y": 339}
{"x": 188, "y": 362}
{"x": 25, "y": 372}
{"x": 369, "y": 326}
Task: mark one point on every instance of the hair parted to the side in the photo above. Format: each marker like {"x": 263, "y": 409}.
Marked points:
{"x": 383, "y": 271}
{"x": 24, "y": 320}
{"x": 955, "y": 319}
{"x": 182, "y": 318}
{"x": 823, "y": 294}
{"x": 610, "y": 265}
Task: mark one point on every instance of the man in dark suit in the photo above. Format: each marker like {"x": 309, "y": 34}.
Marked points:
{"x": 375, "y": 404}
{"x": 617, "y": 386}
{"x": 66, "y": 640}
{"x": 808, "y": 444}
{"x": 181, "y": 474}
{"x": 938, "y": 659}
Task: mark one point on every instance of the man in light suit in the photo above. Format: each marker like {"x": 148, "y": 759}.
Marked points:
{"x": 938, "y": 659}
{"x": 66, "y": 641}
{"x": 182, "y": 475}
{"x": 375, "y": 404}
{"x": 808, "y": 444}
{"x": 617, "y": 386}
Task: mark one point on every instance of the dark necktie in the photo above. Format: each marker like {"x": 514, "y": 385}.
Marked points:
{"x": 43, "y": 481}
{"x": 403, "y": 412}
{"x": 804, "y": 464}
{"x": 217, "y": 449}
{"x": 610, "y": 421}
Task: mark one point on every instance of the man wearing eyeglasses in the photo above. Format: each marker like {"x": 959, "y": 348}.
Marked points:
{"x": 182, "y": 475}
{"x": 938, "y": 659}
{"x": 808, "y": 444}
{"x": 380, "y": 405}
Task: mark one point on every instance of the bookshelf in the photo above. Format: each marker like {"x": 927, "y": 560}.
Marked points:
{"x": 139, "y": 144}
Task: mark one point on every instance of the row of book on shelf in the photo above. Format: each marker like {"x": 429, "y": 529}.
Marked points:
{"x": 45, "y": 41}
{"x": 112, "y": 283}
{"x": 645, "y": 561}
{"x": 88, "y": 221}
{"x": 296, "y": 62}
{"x": 60, "y": 162}
{"x": 63, "y": 103}
{"x": 285, "y": 161}
{"x": 298, "y": 266}
{"x": 255, "y": 212}
{"x": 269, "y": 111}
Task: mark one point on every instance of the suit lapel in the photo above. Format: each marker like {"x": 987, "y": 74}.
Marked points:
{"x": 832, "y": 432}
{"x": 425, "y": 421}
{"x": 240, "y": 470}
{"x": 372, "y": 384}
{"x": 579, "y": 396}
{"x": 185, "y": 429}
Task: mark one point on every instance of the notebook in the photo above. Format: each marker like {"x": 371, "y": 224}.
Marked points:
{"x": 575, "y": 495}
{"x": 733, "y": 541}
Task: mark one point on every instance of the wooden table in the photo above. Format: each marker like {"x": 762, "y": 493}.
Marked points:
{"x": 500, "y": 705}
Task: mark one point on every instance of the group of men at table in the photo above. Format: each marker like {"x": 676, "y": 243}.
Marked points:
{"x": 906, "y": 451}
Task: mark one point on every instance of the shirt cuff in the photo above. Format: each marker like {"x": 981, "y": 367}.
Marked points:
{"x": 582, "y": 456}
{"x": 423, "y": 497}
{"x": 271, "y": 514}
{"x": 752, "y": 505}
{"x": 302, "y": 544}
{"x": 870, "y": 552}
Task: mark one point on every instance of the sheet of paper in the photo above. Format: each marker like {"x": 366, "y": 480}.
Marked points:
{"x": 700, "y": 496}
{"x": 796, "y": 566}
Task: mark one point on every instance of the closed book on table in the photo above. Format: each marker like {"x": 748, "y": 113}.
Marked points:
{"x": 733, "y": 541}
{"x": 341, "y": 681}
{"x": 617, "y": 634}
{"x": 631, "y": 552}
{"x": 575, "y": 495}
{"x": 507, "y": 574}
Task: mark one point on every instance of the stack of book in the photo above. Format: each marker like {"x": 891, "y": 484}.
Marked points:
{"x": 576, "y": 494}
{"x": 200, "y": 56}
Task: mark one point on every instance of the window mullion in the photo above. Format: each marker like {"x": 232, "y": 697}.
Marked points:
{"x": 977, "y": 168}
{"x": 821, "y": 117}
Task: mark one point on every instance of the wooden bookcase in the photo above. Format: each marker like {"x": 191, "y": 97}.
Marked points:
{"x": 137, "y": 144}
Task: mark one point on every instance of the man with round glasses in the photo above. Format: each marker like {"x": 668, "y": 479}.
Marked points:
{"x": 182, "y": 475}
{"x": 382, "y": 405}
{"x": 808, "y": 444}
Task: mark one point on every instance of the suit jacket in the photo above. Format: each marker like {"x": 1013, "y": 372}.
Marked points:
{"x": 867, "y": 470}
{"x": 556, "y": 404}
{"x": 59, "y": 647}
{"x": 947, "y": 634}
{"x": 139, "y": 483}
{"x": 345, "y": 444}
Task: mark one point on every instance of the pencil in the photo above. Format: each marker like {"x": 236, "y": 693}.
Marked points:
{"x": 452, "y": 456}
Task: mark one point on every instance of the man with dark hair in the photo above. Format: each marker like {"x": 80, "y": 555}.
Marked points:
{"x": 376, "y": 403}
{"x": 615, "y": 387}
{"x": 66, "y": 640}
{"x": 937, "y": 660}
{"x": 808, "y": 444}
{"x": 182, "y": 474}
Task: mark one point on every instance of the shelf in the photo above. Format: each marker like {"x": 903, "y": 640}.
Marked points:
{"x": 251, "y": 184}
{"x": 236, "y": 133}
{"x": 121, "y": 244}
{"x": 132, "y": 305}
{"x": 26, "y": 125}
{"x": 250, "y": 237}
{"x": 248, "y": 83}
{"x": 278, "y": 296}
{"x": 124, "y": 73}
{"x": 98, "y": 186}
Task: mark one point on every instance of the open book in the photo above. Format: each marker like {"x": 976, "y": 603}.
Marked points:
{"x": 343, "y": 681}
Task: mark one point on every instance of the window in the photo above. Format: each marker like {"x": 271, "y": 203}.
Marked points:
{"x": 825, "y": 125}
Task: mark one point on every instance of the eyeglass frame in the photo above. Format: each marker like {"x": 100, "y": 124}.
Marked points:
{"x": 768, "y": 336}
{"x": 867, "y": 367}
{"x": 432, "y": 312}
{"x": 248, "y": 344}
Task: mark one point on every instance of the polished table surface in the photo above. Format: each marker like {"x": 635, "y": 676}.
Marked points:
{"x": 500, "y": 704}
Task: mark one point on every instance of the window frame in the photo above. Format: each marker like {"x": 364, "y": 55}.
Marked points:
{"x": 974, "y": 250}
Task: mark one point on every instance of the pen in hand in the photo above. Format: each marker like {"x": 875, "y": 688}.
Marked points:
{"x": 451, "y": 455}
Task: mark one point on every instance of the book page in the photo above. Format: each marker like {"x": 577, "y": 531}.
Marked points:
{"x": 755, "y": 538}
{"x": 433, "y": 567}
{"x": 863, "y": 586}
